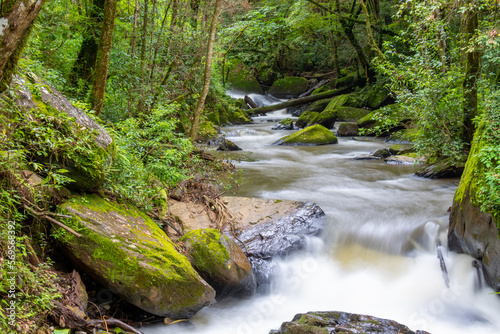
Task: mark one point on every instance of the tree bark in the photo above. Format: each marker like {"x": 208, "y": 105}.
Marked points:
{"x": 15, "y": 27}
{"x": 98, "y": 89}
{"x": 473, "y": 59}
{"x": 208, "y": 71}
{"x": 85, "y": 63}
{"x": 295, "y": 102}
{"x": 134, "y": 33}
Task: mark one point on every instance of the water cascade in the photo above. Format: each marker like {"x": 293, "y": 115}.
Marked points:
{"x": 378, "y": 255}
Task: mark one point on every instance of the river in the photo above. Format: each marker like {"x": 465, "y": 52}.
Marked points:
{"x": 377, "y": 255}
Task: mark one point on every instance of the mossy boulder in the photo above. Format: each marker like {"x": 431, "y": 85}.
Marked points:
{"x": 378, "y": 96}
{"x": 266, "y": 74}
{"x": 87, "y": 165}
{"x": 126, "y": 252}
{"x": 340, "y": 322}
{"x": 401, "y": 149}
{"x": 241, "y": 78}
{"x": 220, "y": 261}
{"x": 285, "y": 124}
{"x": 305, "y": 118}
{"x": 351, "y": 114}
{"x": 288, "y": 87}
{"x": 349, "y": 81}
{"x": 326, "y": 118}
{"x": 312, "y": 135}
{"x": 347, "y": 130}
{"x": 473, "y": 231}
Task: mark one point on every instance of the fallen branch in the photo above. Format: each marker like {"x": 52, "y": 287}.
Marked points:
{"x": 250, "y": 102}
{"x": 45, "y": 215}
{"x": 66, "y": 318}
{"x": 313, "y": 88}
{"x": 295, "y": 102}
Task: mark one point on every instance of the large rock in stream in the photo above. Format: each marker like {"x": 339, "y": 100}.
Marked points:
{"x": 341, "y": 322}
{"x": 125, "y": 251}
{"x": 473, "y": 231}
{"x": 264, "y": 228}
{"x": 313, "y": 135}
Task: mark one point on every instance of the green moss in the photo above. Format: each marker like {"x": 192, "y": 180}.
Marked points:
{"x": 288, "y": 87}
{"x": 305, "y": 118}
{"x": 326, "y": 118}
{"x": 240, "y": 77}
{"x": 351, "y": 114}
{"x": 208, "y": 252}
{"x": 319, "y": 105}
{"x": 321, "y": 89}
{"x": 124, "y": 249}
{"x": 312, "y": 135}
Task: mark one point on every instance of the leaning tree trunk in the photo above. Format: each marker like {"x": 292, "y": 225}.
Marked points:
{"x": 16, "y": 19}
{"x": 208, "y": 71}
{"x": 98, "y": 89}
{"x": 473, "y": 58}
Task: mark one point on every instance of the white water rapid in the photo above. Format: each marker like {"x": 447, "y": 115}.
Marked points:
{"x": 377, "y": 255}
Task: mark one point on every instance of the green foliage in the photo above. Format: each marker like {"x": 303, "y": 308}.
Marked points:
{"x": 151, "y": 155}
{"x": 489, "y": 154}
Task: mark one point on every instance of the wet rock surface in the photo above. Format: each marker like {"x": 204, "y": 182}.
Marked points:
{"x": 341, "y": 322}
{"x": 264, "y": 242}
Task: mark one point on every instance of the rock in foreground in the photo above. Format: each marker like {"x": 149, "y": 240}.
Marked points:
{"x": 129, "y": 254}
{"x": 341, "y": 322}
{"x": 220, "y": 261}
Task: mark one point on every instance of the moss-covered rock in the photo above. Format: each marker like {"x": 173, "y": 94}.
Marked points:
{"x": 288, "y": 87}
{"x": 401, "y": 149}
{"x": 351, "y": 114}
{"x": 240, "y": 77}
{"x": 312, "y": 135}
{"x": 368, "y": 122}
{"x": 348, "y": 81}
{"x": 86, "y": 164}
{"x": 220, "y": 261}
{"x": 473, "y": 231}
{"x": 378, "y": 96}
{"x": 326, "y": 118}
{"x": 442, "y": 168}
{"x": 124, "y": 250}
{"x": 305, "y": 118}
{"x": 266, "y": 74}
{"x": 285, "y": 124}
{"x": 347, "y": 130}
{"x": 340, "y": 322}
{"x": 319, "y": 105}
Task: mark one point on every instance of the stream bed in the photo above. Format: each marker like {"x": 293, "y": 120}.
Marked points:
{"x": 377, "y": 255}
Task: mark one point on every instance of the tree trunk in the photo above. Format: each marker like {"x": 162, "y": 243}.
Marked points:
{"x": 473, "y": 58}
{"x": 134, "y": 33}
{"x": 296, "y": 102}
{"x": 15, "y": 27}
{"x": 208, "y": 71}
{"x": 98, "y": 89}
{"x": 85, "y": 63}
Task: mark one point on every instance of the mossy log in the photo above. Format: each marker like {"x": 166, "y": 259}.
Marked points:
{"x": 295, "y": 102}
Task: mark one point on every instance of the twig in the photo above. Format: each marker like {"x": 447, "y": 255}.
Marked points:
{"x": 44, "y": 215}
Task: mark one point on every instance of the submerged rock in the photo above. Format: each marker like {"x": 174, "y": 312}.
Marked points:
{"x": 341, "y": 322}
{"x": 312, "y": 135}
{"x": 220, "y": 261}
{"x": 286, "y": 124}
{"x": 441, "y": 169}
{"x": 227, "y": 145}
{"x": 125, "y": 251}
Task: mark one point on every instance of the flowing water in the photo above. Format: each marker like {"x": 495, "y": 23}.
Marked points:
{"x": 377, "y": 255}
